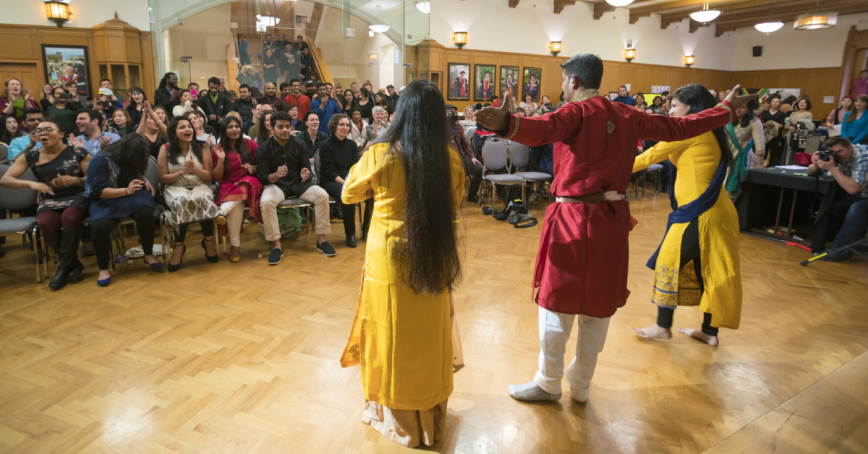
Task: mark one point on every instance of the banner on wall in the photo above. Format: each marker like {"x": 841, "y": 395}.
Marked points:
{"x": 657, "y": 89}
{"x": 786, "y": 92}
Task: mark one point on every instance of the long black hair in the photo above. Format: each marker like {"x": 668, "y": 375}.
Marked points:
{"x": 752, "y": 105}
{"x": 240, "y": 145}
{"x": 175, "y": 144}
{"x": 130, "y": 155}
{"x": 419, "y": 137}
{"x": 164, "y": 81}
{"x": 5, "y": 137}
{"x": 133, "y": 104}
{"x": 699, "y": 98}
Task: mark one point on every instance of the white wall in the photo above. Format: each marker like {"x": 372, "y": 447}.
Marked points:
{"x": 84, "y": 13}
{"x": 788, "y": 48}
{"x": 529, "y": 28}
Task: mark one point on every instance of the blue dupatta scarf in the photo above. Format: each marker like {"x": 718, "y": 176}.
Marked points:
{"x": 692, "y": 210}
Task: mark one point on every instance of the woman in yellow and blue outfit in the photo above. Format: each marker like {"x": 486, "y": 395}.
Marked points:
{"x": 697, "y": 263}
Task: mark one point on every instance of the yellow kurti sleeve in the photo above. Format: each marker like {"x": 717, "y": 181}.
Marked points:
{"x": 659, "y": 153}
{"x": 457, "y": 173}
{"x": 358, "y": 185}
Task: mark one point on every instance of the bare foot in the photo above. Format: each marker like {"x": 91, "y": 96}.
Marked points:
{"x": 654, "y": 332}
{"x": 698, "y": 334}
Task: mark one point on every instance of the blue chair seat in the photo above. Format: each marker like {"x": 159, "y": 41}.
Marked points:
{"x": 16, "y": 225}
{"x": 654, "y": 167}
{"x": 504, "y": 179}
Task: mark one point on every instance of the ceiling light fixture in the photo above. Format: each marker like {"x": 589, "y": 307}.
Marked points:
{"x": 379, "y": 28}
{"x": 815, "y": 20}
{"x": 770, "y": 25}
{"x": 705, "y": 15}
{"x": 619, "y": 3}
{"x": 423, "y": 6}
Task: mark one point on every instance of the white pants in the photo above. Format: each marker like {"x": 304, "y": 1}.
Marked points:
{"x": 272, "y": 196}
{"x": 554, "y": 331}
{"x": 234, "y": 212}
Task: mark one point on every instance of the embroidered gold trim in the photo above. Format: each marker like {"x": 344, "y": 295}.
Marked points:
{"x": 514, "y": 129}
{"x": 585, "y": 95}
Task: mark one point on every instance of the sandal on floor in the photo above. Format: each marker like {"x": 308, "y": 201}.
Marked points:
{"x": 211, "y": 258}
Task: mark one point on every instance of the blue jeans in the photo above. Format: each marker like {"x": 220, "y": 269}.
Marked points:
{"x": 854, "y": 225}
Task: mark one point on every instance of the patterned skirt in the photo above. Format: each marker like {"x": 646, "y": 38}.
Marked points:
{"x": 190, "y": 205}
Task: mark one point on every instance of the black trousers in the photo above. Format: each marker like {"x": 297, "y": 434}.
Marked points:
{"x": 181, "y": 230}
{"x": 689, "y": 252}
{"x": 333, "y": 188}
{"x": 475, "y": 172}
{"x": 102, "y": 231}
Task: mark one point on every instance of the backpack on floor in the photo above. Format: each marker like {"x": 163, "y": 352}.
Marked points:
{"x": 289, "y": 220}
{"x": 517, "y": 215}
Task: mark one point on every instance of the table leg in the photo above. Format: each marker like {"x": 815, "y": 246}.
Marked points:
{"x": 792, "y": 212}
{"x": 778, "y": 215}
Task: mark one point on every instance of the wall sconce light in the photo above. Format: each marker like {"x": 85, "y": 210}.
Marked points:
{"x": 372, "y": 57}
{"x": 629, "y": 54}
{"x": 555, "y": 48}
{"x": 689, "y": 60}
{"x": 460, "y": 39}
{"x": 57, "y": 12}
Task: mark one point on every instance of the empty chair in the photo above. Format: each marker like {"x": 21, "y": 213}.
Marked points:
{"x": 519, "y": 155}
{"x": 468, "y": 132}
{"x": 494, "y": 158}
{"x": 16, "y": 200}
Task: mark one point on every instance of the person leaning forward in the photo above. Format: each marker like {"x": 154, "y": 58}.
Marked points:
{"x": 284, "y": 170}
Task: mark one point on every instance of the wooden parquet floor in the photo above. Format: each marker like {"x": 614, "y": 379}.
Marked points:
{"x": 243, "y": 358}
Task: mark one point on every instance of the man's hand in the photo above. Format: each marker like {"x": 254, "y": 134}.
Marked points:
{"x": 74, "y": 141}
{"x": 305, "y": 174}
{"x": 33, "y": 139}
{"x": 826, "y": 165}
{"x": 475, "y": 161}
{"x": 738, "y": 101}
{"x": 281, "y": 171}
{"x": 212, "y": 117}
{"x": 104, "y": 142}
{"x": 495, "y": 118}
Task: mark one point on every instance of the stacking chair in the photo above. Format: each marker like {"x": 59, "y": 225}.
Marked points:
{"x": 494, "y": 158}
{"x": 519, "y": 155}
{"x": 22, "y": 199}
{"x": 468, "y": 132}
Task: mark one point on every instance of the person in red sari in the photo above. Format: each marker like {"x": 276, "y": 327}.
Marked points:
{"x": 235, "y": 169}
{"x": 581, "y": 266}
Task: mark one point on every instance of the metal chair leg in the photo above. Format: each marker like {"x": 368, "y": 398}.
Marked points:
{"x": 36, "y": 260}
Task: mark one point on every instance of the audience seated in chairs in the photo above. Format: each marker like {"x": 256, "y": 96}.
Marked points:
{"x": 472, "y": 165}
{"x": 32, "y": 117}
{"x": 257, "y": 117}
{"x": 122, "y": 122}
{"x": 284, "y": 171}
{"x": 378, "y": 126}
{"x": 183, "y": 103}
{"x": 357, "y": 127}
{"x": 9, "y": 129}
{"x": 235, "y": 169}
{"x": 61, "y": 169}
{"x": 337, "y": 155}
{"x": 185, "y": 171}
{"x": 153, "y": 128}
{"x": 265, "y": 130}
{"x": 204, "y": 133}
{"x": 312, "y": 137}
{"x": 117, "y": 188}
{"x": 15, "y": 99}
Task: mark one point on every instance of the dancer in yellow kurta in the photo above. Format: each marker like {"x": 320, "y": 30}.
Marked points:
{"x": 402, "y": 332}
{"x": 697, "y": 263}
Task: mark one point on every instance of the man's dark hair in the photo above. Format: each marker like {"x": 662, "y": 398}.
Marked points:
{"x": 587, "y": 67}
{"x": 300, "y": 38}
{"x": 622, "y": 86}
{"x": 94, "y": 115}
{"x": 863, "y": 71}
{"x": 320, "y": 85}
{"x": 244, "y": 86}
{"x": 279, "y": 115}
{"x": 31, "y": 111}
{"x": 165, "y": 79}
{"x": 268, "y": 35}
{"x": 214, "y": 81}
{"x": 389, "y": 86}
{"x": 191, "y": 84}
{"x": 328, "y": 84}
{"x": 774, "y": 96}
{"x": 105, "y": 80}
{"x": 292, "y": 81}
{"x": 488, "y": 104}
{"x": 839, "y": 140}
{"x": 290, "y": 106}
{"x": 282, "y": 86}
{"x": 665, "y": 93}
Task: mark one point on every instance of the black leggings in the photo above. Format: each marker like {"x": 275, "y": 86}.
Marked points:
{"x": 102, "y": 235}
{"x": 181, "y": 230}
{"x": 689, "y": 252}
{"x": 334, "y": 189}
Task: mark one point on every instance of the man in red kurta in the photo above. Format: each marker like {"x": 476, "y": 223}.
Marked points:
{"x": 581, "y": 267}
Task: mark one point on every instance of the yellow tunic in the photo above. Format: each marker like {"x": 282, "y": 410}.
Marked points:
{"x": 697, "y": 160}
{"x": 402, "y": 340}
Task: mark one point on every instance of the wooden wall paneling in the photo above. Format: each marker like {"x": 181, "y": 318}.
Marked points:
{"x": 149, "y": 84}
{"x": 27, "y": 73}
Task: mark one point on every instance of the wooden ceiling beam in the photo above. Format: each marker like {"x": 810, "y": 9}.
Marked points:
{"x": 513, "y": 3}
{"x": 639, "y": 10}
{"x": 560, "y": 4}
{"x": 728, "y": 26}
{"x": 759, "y": 10}
{"x": 601, "y": 8}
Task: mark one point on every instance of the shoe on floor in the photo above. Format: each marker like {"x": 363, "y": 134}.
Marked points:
{"x": 326, "y": 249}
{"x": 579, "y": 397}
{"x": 841, "y": 257}
{"x": 87, "y": 249}
{"x": 351, "y": 241}
{"x": 274, "y": 256}
{"x": 531, "y": 392}
{"x": 473, "y": 199}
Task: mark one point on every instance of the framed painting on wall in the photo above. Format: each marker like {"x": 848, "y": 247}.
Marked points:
{"x": 459, "y": 82}
{"x": 531, "y": 84}
{"x": 509, "y": 79}
{"x": 484, "y": 83}
{"x": 66, "y": 64}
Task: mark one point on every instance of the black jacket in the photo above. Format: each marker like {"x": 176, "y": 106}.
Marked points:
{"x": 220, "y": 109}
{"x": 270, "y": 155}
{"x": 337, "y": 157}
{"x": 244, "y": 107}
{"x": 313, "y": 144}
{"x": 163, "y": 98}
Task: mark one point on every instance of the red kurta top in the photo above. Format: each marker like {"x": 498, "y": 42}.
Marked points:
{"x": 581, "y": 266}
{"x": 238, "y": 184}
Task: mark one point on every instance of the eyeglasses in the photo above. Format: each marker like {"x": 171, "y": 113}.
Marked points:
{"x": 45, "y": 130}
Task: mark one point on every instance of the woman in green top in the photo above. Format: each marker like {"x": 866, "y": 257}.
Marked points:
{"x": 14, "y": 100}
{"x": 62, "y": 111}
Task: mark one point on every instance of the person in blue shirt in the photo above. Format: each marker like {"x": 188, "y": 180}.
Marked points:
{"x": 32, "y": 117}
{"x": 855, "y": 124}
{"x": 92, "y": 138}
{"x": 624, "y": 97}
{"x": 324, "y": 112}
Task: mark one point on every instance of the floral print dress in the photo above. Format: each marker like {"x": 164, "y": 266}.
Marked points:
{"x": 67, "y": 163}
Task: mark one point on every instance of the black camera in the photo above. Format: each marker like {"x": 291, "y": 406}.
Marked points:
{"x": 64, "y": 96}
{"x": 828, "y": 155}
